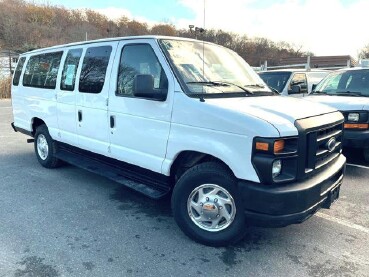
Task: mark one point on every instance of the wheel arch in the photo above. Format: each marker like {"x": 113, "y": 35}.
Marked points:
{"x": 36, "y": 122}
{"x": 188, "y": 159}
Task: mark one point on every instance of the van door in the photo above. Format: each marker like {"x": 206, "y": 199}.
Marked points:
{"x": 92, "y": 97}
{"x": 139, "y": 127}
{"x": 66, "y": 97}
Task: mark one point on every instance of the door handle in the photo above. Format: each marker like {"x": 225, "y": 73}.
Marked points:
{"x": 79, "y": 115}
{"x": 112, "y": 121}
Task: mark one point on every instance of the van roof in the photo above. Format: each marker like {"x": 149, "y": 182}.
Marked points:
{"x": 107, "y": 40}
{"x": 356, "y": 68}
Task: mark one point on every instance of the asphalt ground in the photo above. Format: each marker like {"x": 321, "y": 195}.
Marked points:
{"x": 70, "y": 222}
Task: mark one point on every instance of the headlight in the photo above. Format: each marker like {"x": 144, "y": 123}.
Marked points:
{"x": 353, "y": 117}
{"x": 276, "y": 146}
{"x": 271, "y": 154}
{"x": 276, "y": 168}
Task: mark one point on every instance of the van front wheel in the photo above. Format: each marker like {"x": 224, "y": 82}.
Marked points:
{"x": 45, "y": 148}
{"x": 207, "y": 207}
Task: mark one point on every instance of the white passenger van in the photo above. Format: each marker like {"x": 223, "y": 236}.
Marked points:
{"x": 347, "y": 90}
{"x": 165, "y": 115}
{"x": 293, "y": 82}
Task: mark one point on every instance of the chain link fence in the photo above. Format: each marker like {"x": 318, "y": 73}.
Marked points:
{"x": 8, "y": 61}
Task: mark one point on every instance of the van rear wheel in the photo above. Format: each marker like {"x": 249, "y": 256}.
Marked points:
{"x": 207, "y": 207}
{"x": 45, "y": 148}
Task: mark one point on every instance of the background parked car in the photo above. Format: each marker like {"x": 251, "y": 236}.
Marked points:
{"x": 293, "y": 82}
{"x": 348, "y": 91}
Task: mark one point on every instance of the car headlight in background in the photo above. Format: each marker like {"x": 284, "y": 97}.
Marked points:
{"x": 356, "y": 120}
{"x": 353, "y": 117}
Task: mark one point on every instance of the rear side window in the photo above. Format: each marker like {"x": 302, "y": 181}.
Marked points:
{"x": 42, "y": 70}
{"x": 94, "y": 68}
{"x": 70, "y": 69}
{"x": 18, "y": 71}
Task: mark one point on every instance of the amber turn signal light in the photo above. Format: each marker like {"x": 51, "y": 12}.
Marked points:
{"x": 356, "y": 126}
{"x": 278, "y": 146}
{"x": 262, "y": 146}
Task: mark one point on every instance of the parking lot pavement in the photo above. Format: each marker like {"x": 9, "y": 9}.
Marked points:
{"x": 69, "y": 222}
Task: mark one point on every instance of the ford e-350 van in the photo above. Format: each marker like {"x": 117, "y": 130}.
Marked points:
{"x": 166, "y": 115}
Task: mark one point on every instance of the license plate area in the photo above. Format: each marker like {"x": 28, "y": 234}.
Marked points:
{"x": 332, "y": 197}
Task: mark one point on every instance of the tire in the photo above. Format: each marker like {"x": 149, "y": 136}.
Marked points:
{"x": 218, "y": 183}
{"x": 45, "y": 148}
{"x": 366, "y": 154}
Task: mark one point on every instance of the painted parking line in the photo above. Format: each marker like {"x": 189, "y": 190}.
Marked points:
{"x": 358, "y": 165}
{"x": 343, "y": 222}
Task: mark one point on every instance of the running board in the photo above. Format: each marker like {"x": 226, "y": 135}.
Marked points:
{"x": 153, "y": 186}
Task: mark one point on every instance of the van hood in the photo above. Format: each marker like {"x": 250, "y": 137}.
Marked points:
{"x": 280, "y": 111}
{"x": 342, "y": 103}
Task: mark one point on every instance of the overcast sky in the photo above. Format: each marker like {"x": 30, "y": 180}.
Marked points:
{"x": 325, "y": 27}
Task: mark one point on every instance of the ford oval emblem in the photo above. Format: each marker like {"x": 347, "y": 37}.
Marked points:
{"x": 331, "y": 144}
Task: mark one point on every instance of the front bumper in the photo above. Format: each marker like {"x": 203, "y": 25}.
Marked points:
{"x": 281, "y": 205}
{"x": 356, "y": 138}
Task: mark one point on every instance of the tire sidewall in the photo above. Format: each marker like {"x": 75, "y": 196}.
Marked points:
{"x": 186, "y": 184}
{"x": 48, "y": 162}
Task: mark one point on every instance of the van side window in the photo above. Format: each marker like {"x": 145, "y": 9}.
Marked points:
{"x": 299, "y": 79}
{"x": 139, "y": 59}
{"x": 70, "y": 69}
{"x": 94, "y": 68}
{"x": 42, "y": 70}
{"x": 18, "y": 71}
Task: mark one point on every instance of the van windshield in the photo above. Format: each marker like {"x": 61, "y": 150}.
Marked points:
{"x": 345, "y": 83}
{"x": 204, "y": 68}
{"x": 276, "y": 80}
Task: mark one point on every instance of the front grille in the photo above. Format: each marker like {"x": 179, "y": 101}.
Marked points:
{"x": 325, "y": 145}
{"x": 316, "y": 147}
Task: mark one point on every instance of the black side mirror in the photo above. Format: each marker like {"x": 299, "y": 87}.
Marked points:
{"x": 313, "y": 87}
{"x": 295, "y": 89}
{"x": 143, "y": 86}
{"x": 12, "y": 72}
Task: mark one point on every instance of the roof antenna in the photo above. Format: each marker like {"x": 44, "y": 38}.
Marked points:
{"x": 203, "y": 46}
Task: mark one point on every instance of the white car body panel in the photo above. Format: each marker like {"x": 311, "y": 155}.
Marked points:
{"x": 342, "y": 103}
{"x": 93, "y": 130}
{"x": 142, "y": 126}
{"x": 66, "y": 108}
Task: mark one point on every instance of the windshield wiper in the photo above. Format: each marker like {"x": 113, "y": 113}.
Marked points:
{"x": 320, "y": 92}
{"x": 349, "y": 93}
{"x": 221, "y": 83}
{"x": 255, "y": 86}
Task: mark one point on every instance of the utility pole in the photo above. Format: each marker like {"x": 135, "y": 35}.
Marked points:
{"x": 10, "y": 63}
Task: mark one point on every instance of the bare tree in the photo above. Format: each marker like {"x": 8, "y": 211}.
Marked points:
{"x": 364, "y": 53}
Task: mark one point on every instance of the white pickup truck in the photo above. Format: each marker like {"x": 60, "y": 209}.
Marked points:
{"x": 293, "y": 82}
{"x": 347, "y": 90}
{"x": 167, "y": 115}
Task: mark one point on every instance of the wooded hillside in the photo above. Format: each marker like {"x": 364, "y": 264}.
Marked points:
{"x": 25, "y": 26}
